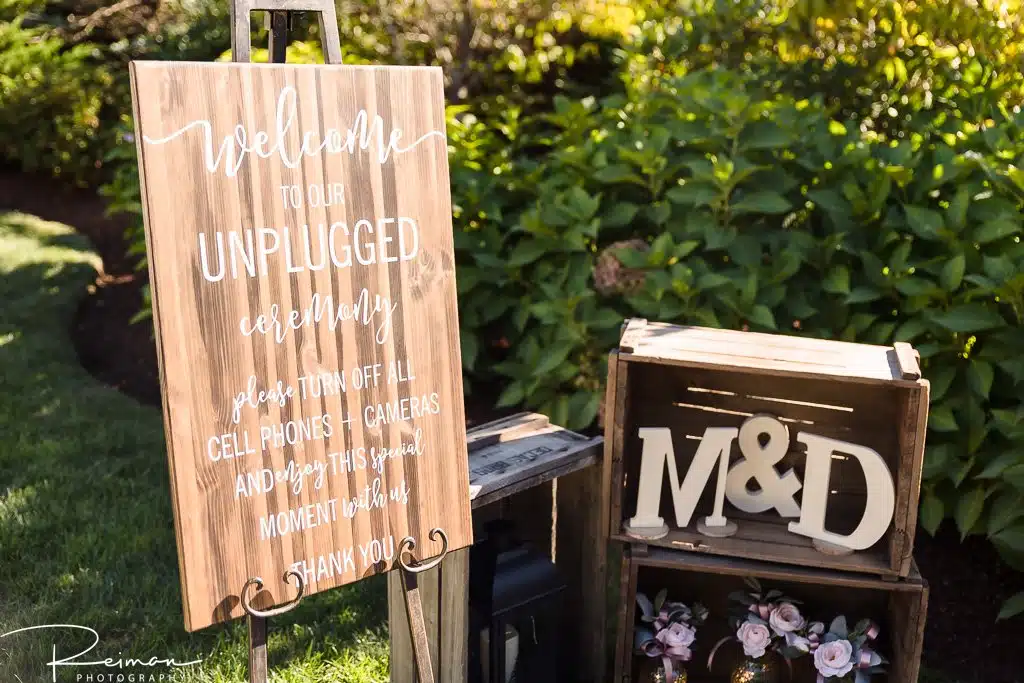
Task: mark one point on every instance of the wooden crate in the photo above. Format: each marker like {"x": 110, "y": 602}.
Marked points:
{"x": 548, "y": 481}
{"x": 690, "y": 378}
{"x": 899, "y": 607}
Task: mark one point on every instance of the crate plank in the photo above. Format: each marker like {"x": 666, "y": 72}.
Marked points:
{"x": 581, "y": 552}
{"x": 759, "y": 540}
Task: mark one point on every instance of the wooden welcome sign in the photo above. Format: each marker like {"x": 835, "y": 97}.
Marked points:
{"x": 298, "y": 225}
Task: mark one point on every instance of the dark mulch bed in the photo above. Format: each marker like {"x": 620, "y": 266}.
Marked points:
{"x": 968, "y": 583}
{"x": 117, "y": 352}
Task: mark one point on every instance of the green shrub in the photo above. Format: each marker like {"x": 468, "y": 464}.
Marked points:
{"x": 52, "y": 102}
{"x": 756, "y": 211}
{"x": 732, "y": 184}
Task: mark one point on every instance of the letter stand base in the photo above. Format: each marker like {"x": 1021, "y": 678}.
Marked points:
{"x": 645, "y": 532}
{"x": 722, "y": 531}
{"x": 826, "y": 548}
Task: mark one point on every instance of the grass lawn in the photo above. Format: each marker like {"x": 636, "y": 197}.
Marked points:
{"x": 86, "y": 533}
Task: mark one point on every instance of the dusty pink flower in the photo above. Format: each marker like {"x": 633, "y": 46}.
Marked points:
{"x": 755, "y": 638}
{"x": 834, "y": 659}
{"x": 676, "y": 639}
{"x": 786, "y": 618}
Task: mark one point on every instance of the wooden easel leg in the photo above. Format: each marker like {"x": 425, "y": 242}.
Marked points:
{"x": 279, "y": 25}
{"x": 257, "y": 649}
{"x": 417, "y": 628}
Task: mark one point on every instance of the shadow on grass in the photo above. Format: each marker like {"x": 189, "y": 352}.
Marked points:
{"x": 86, "y": 530}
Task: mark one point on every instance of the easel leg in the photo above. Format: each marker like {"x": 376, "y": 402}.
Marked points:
{"x": 279, "y": 25}
{"x": 420, "y": 644}
{"x": 257, "y": 649}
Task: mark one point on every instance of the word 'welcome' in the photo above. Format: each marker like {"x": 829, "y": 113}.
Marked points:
{"x": 363, "y": 133}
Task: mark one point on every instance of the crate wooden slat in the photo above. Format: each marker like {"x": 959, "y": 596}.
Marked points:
{"x": 770, "y": 354}
{"x": 548, "y": 480}
{"x": 688, "y": 379}
{"x": 899, "y": 606}
{"x": 520, "y": 451}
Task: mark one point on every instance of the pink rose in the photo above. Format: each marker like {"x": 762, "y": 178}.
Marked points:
{"x": 755, "y": 638}
{"x": 834, "y": 659}
{"x": 786, "y": 618}
{"x": 676, "y": 639}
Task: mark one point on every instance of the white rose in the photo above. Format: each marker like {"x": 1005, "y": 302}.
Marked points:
{"x": 834, "y": 659}
{"x": 755, "y": 638}
{"x": 786, "y": 618}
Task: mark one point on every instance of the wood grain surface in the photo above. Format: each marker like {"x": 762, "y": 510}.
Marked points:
{"x": 298, "y": 226}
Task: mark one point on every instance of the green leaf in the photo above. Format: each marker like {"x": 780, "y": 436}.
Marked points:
{"x": 659, "y": 212}
{"x": 526, "y": 252}
{"x": 961, "y": 473}
{"x": 861, "y": 295}
{"x": 968, "y": 510}
{"x": 837, "y": 281}
{"x": 660, "y": 249}
{"x": 763, "y": 135}
{"x": 979, "y": 377}
{"x": 617, "y": 173}
{"x": 470, "y": 348}
{"x": 915, "y": 286}
{"x": 956, "y": 214}
{"x": 1012, "y": 607}
{"x": 941, "y": 419}
{"x": 684, "y": 249}
{"x": 692, "y": 194}
{"x": 511, "y": 396}
{"x": 999, "y": 464}
{"x": 910, "y": 330}
{"x": 925, "y": 223}
{"x": 620, "y": 214}
{"x": 970, "y": 318}
{"x": 1011, "y": 539}
{"x": 1007, "y": 509}
{"x": 932, "y": 513}
{"x": 996, "y": 230}
{"x": 941, "y": 378}
{"x": 937, "y": 459}
{"x": 1014, "y": 476}
{"x": 761, "y": 202}
{"x": 583, "y": 408}
{"x": 604, "y": 319}
{"x": 712, "y": 280}
{"x": 952, "y": 273}
{"x": 553, "y": 357}
{"x": 761, "y": 315}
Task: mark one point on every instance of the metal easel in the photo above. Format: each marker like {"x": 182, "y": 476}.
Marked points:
{"x": 279, "y": 22}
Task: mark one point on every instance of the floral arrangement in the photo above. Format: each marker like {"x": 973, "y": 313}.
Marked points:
{"x": 768, "y": 621}
{"x": 844, "y": 655}
{"x": 669, "y": 630}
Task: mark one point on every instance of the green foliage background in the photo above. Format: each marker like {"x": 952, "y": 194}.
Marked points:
{"x": 848, "y": 170}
